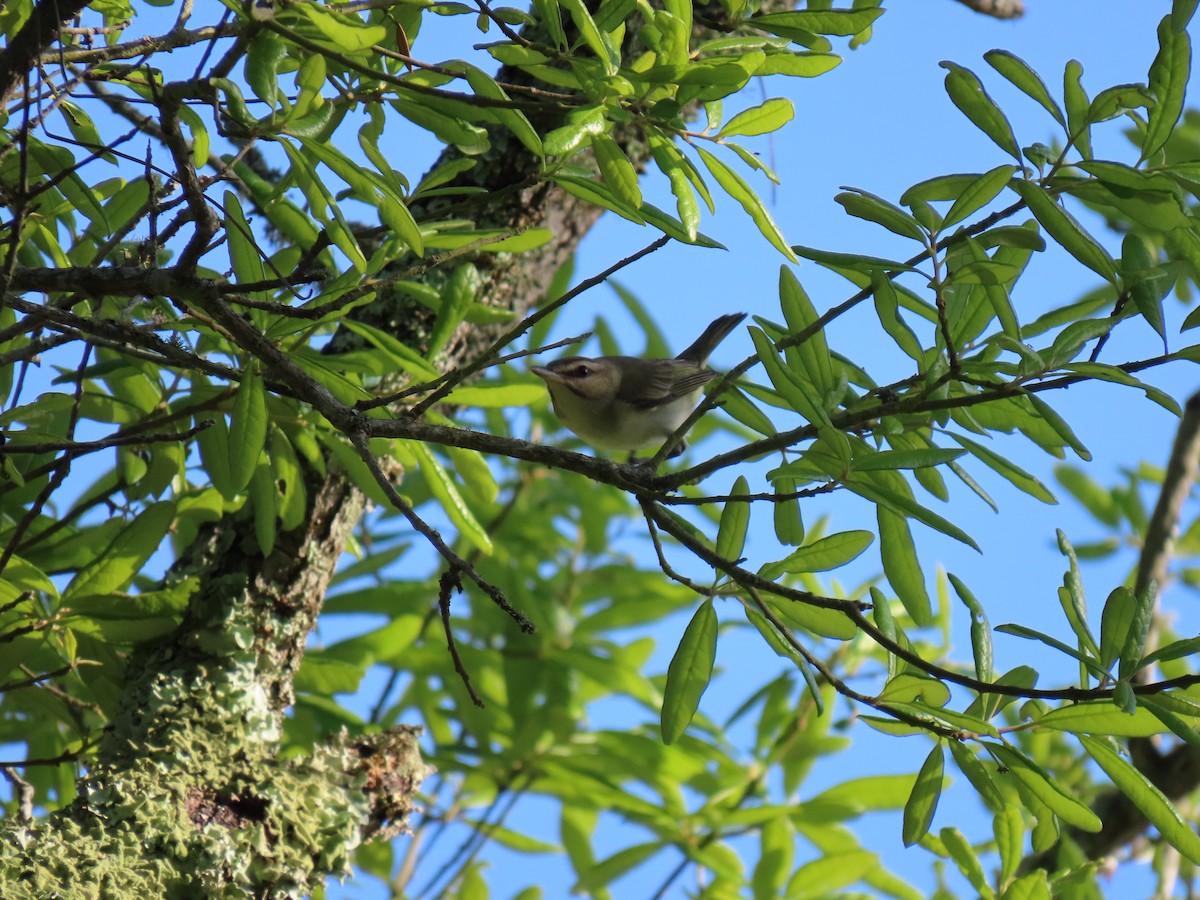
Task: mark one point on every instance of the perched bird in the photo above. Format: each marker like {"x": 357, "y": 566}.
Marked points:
{"x": 629, "y": 403}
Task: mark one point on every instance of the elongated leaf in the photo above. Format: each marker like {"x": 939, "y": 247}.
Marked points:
{"x": 1102, "y": 717}
{"x": 1135, "y": 638}
{"x": 673, "y": 164}
{"x": 1168, "y": 81}
{"x": 801, "y": 315}
{"x": 979, "y": 776}
{"x": 782, "y": 648}
{"x": 906, "y": 459}
{"x": 790, "y": 384}
{"x": 1022, "y": 76}
{"x": 1146, "y": 287}
{"x": 967, "y": 93}
{"x": 923, "y": 801}
{"x": 1180, "y": 727}
{"x": 901, "y": 565}
{"x": 1146, "y": 797}
{"x": 588, "y": 29}
{"x": 981, "y": 632}
{"x": 248, "y": 430}
{"x": 855, "y": 262}
{"x": 875, "y": 209}
{"x": 789, "y": 524}
{"x": 1011, "y": 472}
{"x": 735, "y": 517}
{"x": 1033, "y": 634}
{"x": 821, "y": 555}
{"x": 979, "y": 194}
{"x": 125, "y": 555}
{"x": 965, "y": 858}
{"x": 689, "y": 672}
{"x": 1115, "y": 623}
{"x": 839, "y": 22}
{"x": 1063, "y": 805}
{"x": 1065, "y": 229}
{"x": 617, "y": 170}
{"x": 1078, "y": 106}
{"x": 739, "y": 190}
{"x": 447, "y": 493}
{"x": 762, "y": 119}
{"x": 902, "y": 503}
{"x": 887, "y": 307}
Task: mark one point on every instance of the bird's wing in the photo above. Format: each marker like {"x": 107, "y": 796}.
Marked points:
{"x": 659, "y": 381}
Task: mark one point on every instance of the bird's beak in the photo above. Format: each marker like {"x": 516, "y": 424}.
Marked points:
{"x": 546, "y": 374}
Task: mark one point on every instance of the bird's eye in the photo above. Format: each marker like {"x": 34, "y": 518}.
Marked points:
{"x": 583, "y": 371}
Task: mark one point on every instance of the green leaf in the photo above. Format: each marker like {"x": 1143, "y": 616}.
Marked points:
{"x": 1115, "y": 622}
{"x": 737, "y": 188}
{"x": 829, "y": 623}
{"x": 1146, "y": 797}
{"x": 905, "y": 459}
{"x": 829, "y": 874}
{"x": 457, "y": 297}
{"x": 513, "y": 119}
{"x": 1078, "y": 106}
{"x": 792, "y": 387}
{"x": 981, "y": 632}
{"x": 689, "y": 673}
{"x": 789, "y": 524}
{"x": 1019, "y": 73}
{"x": 345, "y": 32}
{"x": 1135, "y": 638}
{"x": 901, "y": 565}
{"x": 588, "y": 29}
{"x": 1147, "y": 284}
{"x": 923, "y": 801}
{"x": 855, "y": 262}
{"x": 875, "y": 209}
{"x": 1168, "y": 82}
{"x": 244, "y": 254}
{"x": 496, "y": 396}
{"x": 1101, "y": 717}
{"x": 1011, "y": 472}
{"x": 1182, "y": 729}
{"x": 447, "y": 494}
{"x": 801, "y": 315}
{"x": 821, "y": 555}
{"x": 735, "y": 518}
{"x": 967, "y": 93}
{"x": 979, "y": 776}
{"x": 582, "y": 125}
{"x": 837, "y": 22}
{"x": 1090, "y": 494}
{"x": 1175, "y": 650}
{"x": 1032, "y": 634}
{"x": 965, "y": 858}
{"x": 1059, "y": 425}
{"x": 1045, "y": 789}
{"x": 616, "y": 169}
{"x": 905, "y": 504}
{"x": 672, "y": 163}
{"x": 887, "y": 307}
{"x": 1064, "y": 228}
{"x": 762, "y": 119}
{"x": 248, "y": 429}
{"x": 979, "y": 194}
{"x": 123, "y": 558}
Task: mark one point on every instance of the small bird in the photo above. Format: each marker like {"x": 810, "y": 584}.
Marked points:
{"x": 629, "y": 403}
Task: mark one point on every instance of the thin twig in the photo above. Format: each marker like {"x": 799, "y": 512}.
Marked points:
{"x": 447, "y": 585}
